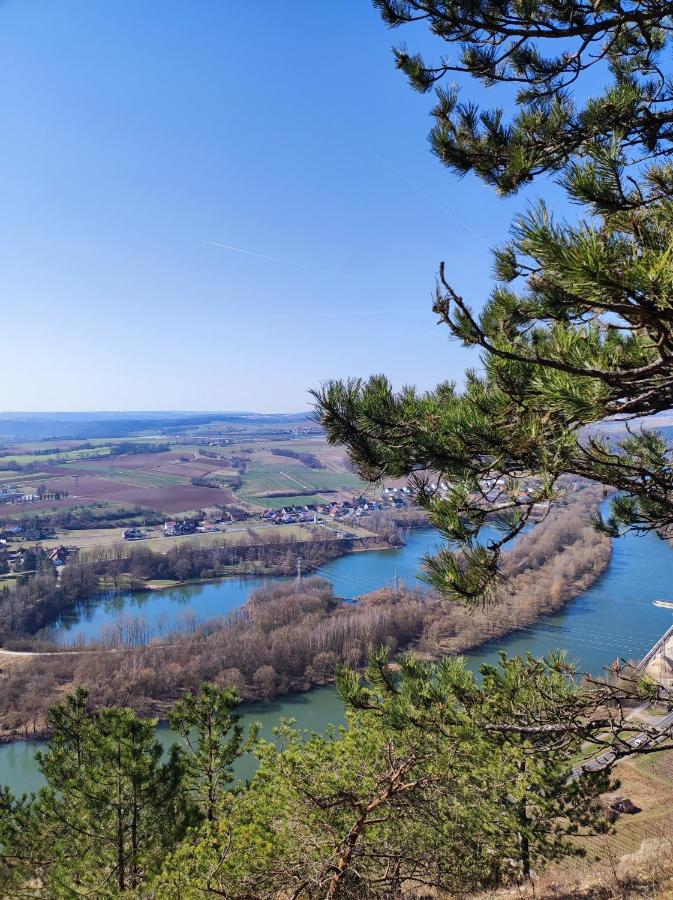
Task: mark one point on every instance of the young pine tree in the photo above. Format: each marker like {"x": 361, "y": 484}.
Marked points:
{"x": 211, "y": 729}
{"x": 110, "y": 811}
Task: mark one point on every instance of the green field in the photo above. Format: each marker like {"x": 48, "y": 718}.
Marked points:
{"x": 222, "y": 473}
{"x": 280, "y": 502}
{"x": 97, "y": 508}
{"x": 141, "y": 477}
{"x": 234, "y": 536}
{"x": 286, "y": 475}
{"x": 69, "y": 455}
{"x": 144, "y": 478}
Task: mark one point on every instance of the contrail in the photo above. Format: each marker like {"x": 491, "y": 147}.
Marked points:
{"x": 416, "y": 187}
{"x": 287, "y": 262}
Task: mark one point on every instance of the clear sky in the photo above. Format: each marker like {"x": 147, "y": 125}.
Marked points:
{"x": 136, "y": 131}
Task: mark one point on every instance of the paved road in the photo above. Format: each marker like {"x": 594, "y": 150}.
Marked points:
{"x": 638, "y": 740}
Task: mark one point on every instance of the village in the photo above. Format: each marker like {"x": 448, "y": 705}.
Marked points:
{"x": 295, "y": 514}
{"x": 22, "y": 551}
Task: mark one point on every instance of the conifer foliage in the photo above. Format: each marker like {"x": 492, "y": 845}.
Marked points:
{"x": 579, "y": 325}
{"x": 114, "y": 803}
{"x": 442, "y": 780}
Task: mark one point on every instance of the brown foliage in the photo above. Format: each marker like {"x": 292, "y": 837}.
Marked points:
{"x": 289, "y": 637}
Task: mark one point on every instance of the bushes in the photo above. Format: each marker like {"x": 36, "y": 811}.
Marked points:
{"x": 289, "y": 637}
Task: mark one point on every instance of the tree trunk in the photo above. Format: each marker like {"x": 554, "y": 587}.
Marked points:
{"x": 524, "y": 843}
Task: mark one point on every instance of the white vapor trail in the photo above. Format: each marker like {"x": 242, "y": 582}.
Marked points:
{"x": 287, "y": 262}
{"x": 431, "y": 199}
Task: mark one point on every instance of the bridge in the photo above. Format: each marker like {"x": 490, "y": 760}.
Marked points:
{"x": 658, "y": 662}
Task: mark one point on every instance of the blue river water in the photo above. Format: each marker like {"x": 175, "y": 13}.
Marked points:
{"x": 351, "y": 575}
{"x": 613, "y": 618}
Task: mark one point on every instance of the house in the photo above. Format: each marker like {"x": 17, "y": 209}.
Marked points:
{"x": 58, "y": 556}
{"x": 624, "y": 805}
{"x": 185, "y": 526}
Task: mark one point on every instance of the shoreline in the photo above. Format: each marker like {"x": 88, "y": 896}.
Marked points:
{"x": 521, "y": 625}
{"x": 378, "y": 545}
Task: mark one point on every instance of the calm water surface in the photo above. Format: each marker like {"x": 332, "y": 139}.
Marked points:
{"x": 615, "y": 617}
{"x": 351, "y": 575}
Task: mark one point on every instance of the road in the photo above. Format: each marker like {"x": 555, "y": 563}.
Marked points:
{"x": 638, "y": 740}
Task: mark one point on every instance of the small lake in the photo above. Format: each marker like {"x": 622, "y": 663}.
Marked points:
{"x": 615, "y": 617}
{"x": 352, "y": 575}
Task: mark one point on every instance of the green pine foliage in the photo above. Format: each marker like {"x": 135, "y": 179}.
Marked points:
{"x": 544, "y": 49}
{"x": 211, "y": 728}
{"x": 445, "y": 780}
{"x": 110, "y": 811}
{"x": 579, "y": 325}
{"x": 441, "y": 781}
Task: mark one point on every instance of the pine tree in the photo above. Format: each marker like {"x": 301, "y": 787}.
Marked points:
{"x": 440, "y": 780}
{"x": 110, "y": 811}
{"x": 530, "y": 719}
{"x": 579, "y": 326}
{"x": 212, "y": 731}
{"x": 546, "y": 49}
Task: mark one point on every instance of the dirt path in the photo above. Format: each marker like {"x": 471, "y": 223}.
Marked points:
{"x": 26, "y": 654}
{"x": 19, "y": 654}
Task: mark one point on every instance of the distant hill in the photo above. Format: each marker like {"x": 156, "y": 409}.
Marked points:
{"x": 36, "y": 426}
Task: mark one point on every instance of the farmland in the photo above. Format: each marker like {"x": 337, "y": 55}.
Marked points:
{"x": 276, "y": 481}
{"x": 88, "y": 494}
{"x": 160, "y": 482}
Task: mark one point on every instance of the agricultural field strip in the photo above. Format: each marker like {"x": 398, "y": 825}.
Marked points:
{"x": 76, "y": 455}
{"x": 145, "y": 478}
{"x": 149, "y": 475}
{"x": 279, "y": 502}
{"x": 260, "y": 478}
{"x": 10, "y": 477}
{"x": 132, "y": 477}
{"x": 296, "y": 480}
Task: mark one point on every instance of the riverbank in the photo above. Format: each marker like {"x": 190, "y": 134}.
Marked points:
{"x": 347, "y": 546}
{"x": 289, "y": 639}
{"x": 527, "y": 592}
{"x": 42, "y": 602}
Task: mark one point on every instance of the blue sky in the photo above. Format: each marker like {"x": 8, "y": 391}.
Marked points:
{"x": 134, "y": 132}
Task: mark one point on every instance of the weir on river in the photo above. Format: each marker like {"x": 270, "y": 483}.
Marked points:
{"x": 615, "y": 617}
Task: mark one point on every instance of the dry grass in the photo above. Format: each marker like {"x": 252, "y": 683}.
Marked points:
{"x": 636, "y": 860}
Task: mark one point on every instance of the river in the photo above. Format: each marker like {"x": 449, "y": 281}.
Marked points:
{"x": 352, "y": 575}
{"x": 615, "y": 617}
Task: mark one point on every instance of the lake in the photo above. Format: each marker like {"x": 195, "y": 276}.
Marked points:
{"x": 615, "y": 617}
{"x": 352, "y": 575}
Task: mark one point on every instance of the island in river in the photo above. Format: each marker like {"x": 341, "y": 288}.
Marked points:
{"x": 615, "y": 617}
{"x": 286, "y": 636}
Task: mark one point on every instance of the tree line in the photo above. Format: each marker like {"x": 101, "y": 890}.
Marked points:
{"x": 289, "y": 637}
{"x": 442, "y": 783}
{"x": 35, "y": 602}
{"x": 308, "y": 459}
